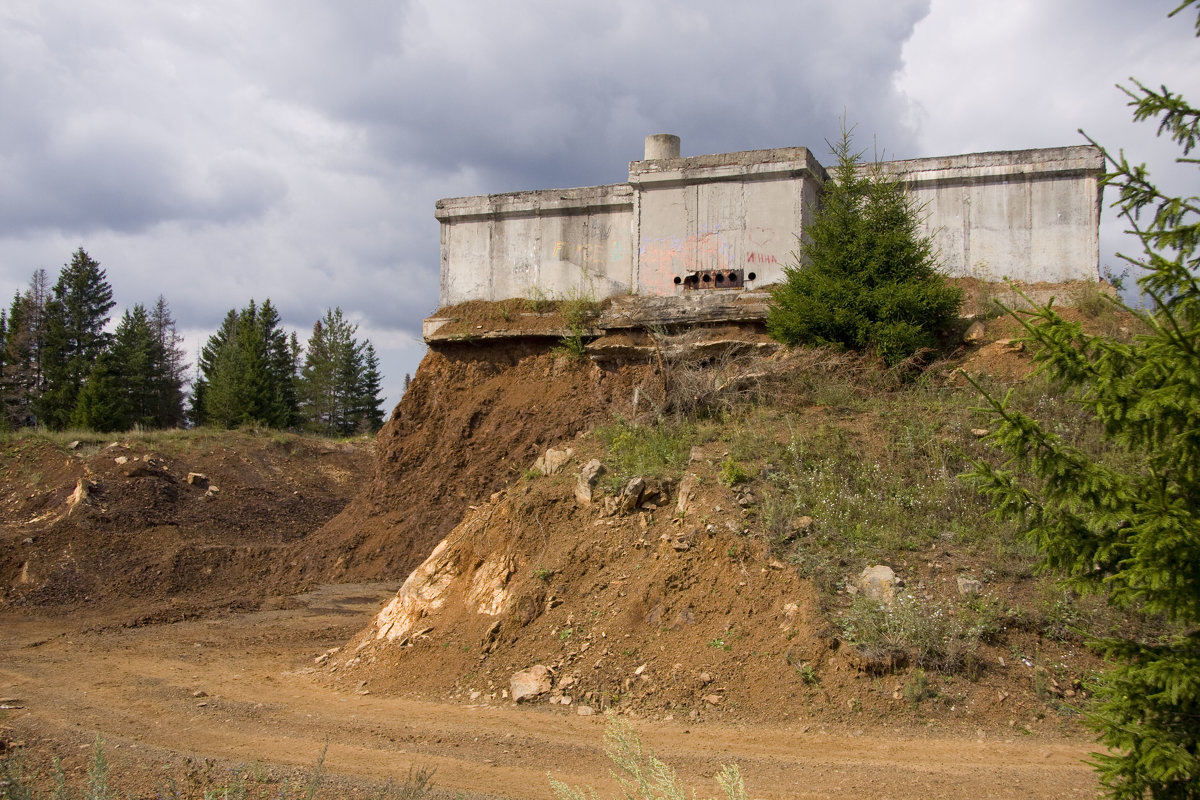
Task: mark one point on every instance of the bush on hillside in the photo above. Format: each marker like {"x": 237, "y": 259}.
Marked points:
{"x": 866, "y": 278}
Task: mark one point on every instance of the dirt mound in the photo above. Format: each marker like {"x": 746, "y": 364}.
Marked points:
{"x": 651, "y": 610}
{"x": 473, "y": 420}
{"x": 116, "y": 528}
{"x": 657, "y": 612}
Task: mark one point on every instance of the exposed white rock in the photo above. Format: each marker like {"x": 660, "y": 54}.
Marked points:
{"x": 529, "y": 683}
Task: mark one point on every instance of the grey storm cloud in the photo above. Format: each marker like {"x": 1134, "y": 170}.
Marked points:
{"x": 224, "y": 151}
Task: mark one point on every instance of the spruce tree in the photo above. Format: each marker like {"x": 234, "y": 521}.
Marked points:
{"x": 866, "y": 277}
{"x": 170, "y": 375}
{"x": 369, "y": 402}
{"x": 1129, "y": 527}
{"x": 339, "y": 382}
{"x": 247, "y": 372}
{"x": 76, "y": 315}
{"x": 22, "y": 381}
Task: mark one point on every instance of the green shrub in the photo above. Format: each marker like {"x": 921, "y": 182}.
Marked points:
{"x": 866, "y": 276}
{"x": 732, "y": 473}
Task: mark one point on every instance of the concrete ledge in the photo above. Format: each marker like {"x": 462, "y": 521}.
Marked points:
{"x": 581, "y": 200}
{"x": 627, "y": 312}
{"x": 999, "y": 166}
{"x": 783, "y": 163}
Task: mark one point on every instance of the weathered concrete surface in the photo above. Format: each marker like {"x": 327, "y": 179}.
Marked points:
{"x": 525, "y": 244}
{"x": 1030, "y": 215}
{"x": 732, "y": 211}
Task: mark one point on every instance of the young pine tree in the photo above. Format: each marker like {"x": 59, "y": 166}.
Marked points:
{"x": 867, "y": 277}
{"x": 339, "y": 382}
{"x": 1130, "y": 531}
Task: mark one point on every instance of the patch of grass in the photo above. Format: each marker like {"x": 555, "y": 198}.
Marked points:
{"x": 927, "y": 634}
{"x": 917, "y": 688}
{"x": 16, "y": 783}
{"x": 539, "y": 302}
{"x": 653, "y": 451}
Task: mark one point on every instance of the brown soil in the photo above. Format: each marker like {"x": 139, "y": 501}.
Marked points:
{"x": 475, "y": 417}
{"x": 143, "y": 544}
{"x": 119, "y": 608}
{"x": 193, "y": 701}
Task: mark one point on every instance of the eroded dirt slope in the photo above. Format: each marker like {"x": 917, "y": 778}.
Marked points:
{"x": 474, "y": 419}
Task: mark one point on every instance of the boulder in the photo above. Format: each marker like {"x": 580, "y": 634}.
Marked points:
{"x": 529, "y": 683}
{"x": 969, "y": 587}
{"x": 631, "y": 495}
{"x": 586, "y": 485}
{"x": 553, "y": 460}
{"x": 974, "y": 333}
{"x": 687, "y": 492}
{"x": 878, "y": 582}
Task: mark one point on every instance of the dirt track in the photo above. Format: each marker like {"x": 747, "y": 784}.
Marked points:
{"x": 264, "y": 702}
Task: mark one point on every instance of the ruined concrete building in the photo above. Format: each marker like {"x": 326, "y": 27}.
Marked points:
{"x": 730, "y": 222}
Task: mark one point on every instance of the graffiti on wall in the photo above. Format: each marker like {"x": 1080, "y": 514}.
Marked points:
{"x": 662, "y": 260}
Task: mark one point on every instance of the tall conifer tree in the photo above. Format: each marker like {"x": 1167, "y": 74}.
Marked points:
{"x": 75, "y": 318}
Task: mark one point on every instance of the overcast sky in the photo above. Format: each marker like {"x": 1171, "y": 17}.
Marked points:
{"x": 293, "y": 149}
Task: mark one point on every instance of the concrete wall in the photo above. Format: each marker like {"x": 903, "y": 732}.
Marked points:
{"x": 734, "y": 211}
{"x": 1030, "y": 215}
{"x": 553, "y": 243}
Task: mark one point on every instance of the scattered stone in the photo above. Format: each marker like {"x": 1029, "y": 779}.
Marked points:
{"x": 211, "y": 492}
{"x": 695, "y": 454}
{"x": 73, "y": 445}
{"x": 713, "y": 699}
{"x": 585, "y": 711}
{"x": 631, "y": 495}
{"x": 199, "y": 693}
{"x": 979, "y": 433}
{"x": 530, "y": 683}
{"x": 745, "y": 497}
{"x": 705, "y": 678}
{"x": 640, "y": 670}
{"x": 879, "y": 583}
{"x": 681, "y": 542}
{"x": 687, "y": 492}
{"x": 83, "y": 489}
{"x": 1011, "y": 345}
{"x": 553, "y": 460}
{"x": 969, "y": 587}
{"x": 197, "y": 479}
{"x": 801, "y": 526}
{"x": 974, "y": 333}
{"x": 586, "y": 485}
